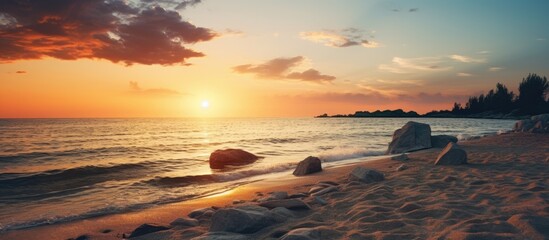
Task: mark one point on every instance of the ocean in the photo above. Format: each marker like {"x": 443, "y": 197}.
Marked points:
{"x": 59, "y": 170}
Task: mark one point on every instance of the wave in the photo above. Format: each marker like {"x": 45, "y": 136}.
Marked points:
{"x": 71, "y": 152}
{"x": 337, "y": 154}
{"x": 51, "y": 183}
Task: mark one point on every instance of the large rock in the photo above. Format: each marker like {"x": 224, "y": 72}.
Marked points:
{"x": 146, "y": 229}
{"x": 292, "y": 203}
{"x": 244, "y": 219}
{"x": 307, "y": 166}
{"x": 538, "y": 124}
{"x": 411, "y": 137}
{"x": 440, "y": 141}
{"x": 452, "y": 154}
{"x": 220, "y": 158}
{"x": 366, "y": 175}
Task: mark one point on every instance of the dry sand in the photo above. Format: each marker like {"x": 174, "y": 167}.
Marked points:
{"x": 503, "y": 193}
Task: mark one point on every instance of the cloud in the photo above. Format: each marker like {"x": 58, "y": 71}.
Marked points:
{"x": 462, "y": 74}
{"x": 413, "y": 10}
{"x": 466, "y": 59}
{"x": 21, "y": 72}
{"x": 282, "y": 68}
{"x": 115, "y": 30}
{"x": 340, "y": 38}
{"x": 136, "y": 89}
{"x": 408, "y": 65}
{"x": 376, "y": 98}
{"x": 495, "y": 69}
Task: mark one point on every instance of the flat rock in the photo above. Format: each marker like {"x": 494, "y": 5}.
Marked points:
{"x": 184, "y": 222}
{"x": 452, "y": 154}
{"x": 146, "y": 229}
{"x": 366, "y": 175}
{"x": 325, "y": 190}
{"x": 307, "y": 166}
{"x": 440, "y": 141}
{"x": 401, "y": 157}
{"x": 411, "y": 137}
{"x": 202, "y": 212}
{"x": 292, "y": 203}
{"x": 243, "y": 219}
{"x": 234, "y": 157}
{"x": 221, "y": 236}
{"x": 298, "y": 195}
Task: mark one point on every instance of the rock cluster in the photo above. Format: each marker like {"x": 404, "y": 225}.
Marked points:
{"x": 536, "y": 124}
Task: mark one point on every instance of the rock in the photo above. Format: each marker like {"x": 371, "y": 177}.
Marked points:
{"x": 278, "y": 195}
{"x": 402, "y": 167}
{"x": 366, "y": 175}
{"x": 202, "y": 212}
{"x": 325, "y": 190}
{"x": 82, "y": 237}
{"x": 244, "y": 219}
{"x": 316, "y": 189}
{"x": 401, "y": 157}
{"x": 221, "y": 236}
{"x": 440, "y": 141}
{"x": 532, "y": 227}
{"x": 146, "y": 229}
{"x": 292, "y": 203}
{"x": 320, "y": 201}
{"x": 298, "y": 195}
{"x": 328, "y": 183}
{"x": 452, "y": 154}
{"x": 235, "y": 157}
{"x": 307, "y": 166}
{"x": 311, "y": 233}
{"x": 411, "y": 137}
{"x": 283, "y": 213}
{"x": 537, "y": 124}
{"x": 184, "y": 222}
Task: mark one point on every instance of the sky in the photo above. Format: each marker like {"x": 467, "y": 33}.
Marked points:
{"x": 249, "y": 58}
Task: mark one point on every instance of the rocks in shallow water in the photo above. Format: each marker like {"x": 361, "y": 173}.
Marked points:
{"x": 401, "y": 157}
{"x": 292, "y": 203}
{"x": 146, "y": 229}
{"x": 440, "y": 141}
{"x": 537, "y": 124}
{"x": 244, "y": 219}
{"x": 402, "y": 167}
{"x": 452, "y": 154}
{"x": 307, "y": 166}
{"x": 235, "y": 157}
{"x": 184, "y": 222}
{"x": 412, "y": 136}
{"x": 366, "y": 175}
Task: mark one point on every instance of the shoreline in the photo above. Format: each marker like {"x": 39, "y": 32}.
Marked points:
{"x": 481, "y": 152}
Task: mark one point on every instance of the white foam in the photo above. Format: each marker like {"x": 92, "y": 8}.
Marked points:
{"x": 337, "y": 154}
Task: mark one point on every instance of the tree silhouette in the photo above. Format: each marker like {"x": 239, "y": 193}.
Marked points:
{"x": 533, "y": 90}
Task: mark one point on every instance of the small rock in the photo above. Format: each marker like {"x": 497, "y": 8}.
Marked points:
{"x": 316, "y": 189}
{"x": 366, "y": 175}
{"x": 325, "y": 190}
{"x": 106, "y": 230}
{"x": 184, "y": 222}
{"x": 286, "y": 203}
{"x": 402, "y": 167}
{"x": 202, "y": 212}
{"x": 320, "y": 201}
{"x": 82, "y": 237}
{"x": 452, "y": 154}
{"x": 440, "y": 141}
{"x": 401, "y": 157}
{"x": 243, "y": 219}
{"x": 298, "y": 195}
{"x": 221, "y": 236}
{"x": 307, "y": 166}
{"x": 146, "y": 229}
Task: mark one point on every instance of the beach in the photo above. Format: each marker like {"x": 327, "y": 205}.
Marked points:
{"x": 502, "y": 193}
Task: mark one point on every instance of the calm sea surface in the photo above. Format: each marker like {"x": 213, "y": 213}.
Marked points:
{"x": 54, "y": 170}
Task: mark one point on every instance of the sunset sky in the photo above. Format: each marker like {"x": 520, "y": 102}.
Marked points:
{"x": 250, "y": 58}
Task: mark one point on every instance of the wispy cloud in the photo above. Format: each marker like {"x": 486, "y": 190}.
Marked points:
{"x": 466, "y": 59}
{"x": 462, "y": 74}
{"x": 136, "y": 89}
{"x": 284, "y": 68}
{"x": 495, "y": 69}
{"x": 21, "y": 72}
{"x": 408, "y": 65}
{"x": 340, "y": 38}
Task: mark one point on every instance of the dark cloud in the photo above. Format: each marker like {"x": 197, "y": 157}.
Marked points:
{"x": 113, "y": 29}
{"x": 136, "y": 89}
{"x": 281, "y": 68}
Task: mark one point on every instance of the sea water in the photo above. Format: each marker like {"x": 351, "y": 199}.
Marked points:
{"x": 58, "y": 170}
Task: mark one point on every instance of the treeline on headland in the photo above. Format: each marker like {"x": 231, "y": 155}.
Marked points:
{"x": 497, "y": 103}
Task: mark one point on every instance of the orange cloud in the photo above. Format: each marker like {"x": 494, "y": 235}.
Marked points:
{"x": 281, "y": 68}
{"x": 112, "y": 30}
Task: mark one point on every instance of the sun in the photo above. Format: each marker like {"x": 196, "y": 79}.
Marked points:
{"x": 205, "y": 104}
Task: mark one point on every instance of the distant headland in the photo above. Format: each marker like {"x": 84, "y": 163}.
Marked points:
{"x": 499, "y": 103}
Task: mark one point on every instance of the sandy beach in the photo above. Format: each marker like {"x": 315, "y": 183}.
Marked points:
{"x": 502, "y": 193}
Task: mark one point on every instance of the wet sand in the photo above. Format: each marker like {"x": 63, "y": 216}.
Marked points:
{"x": 503, "y": 193}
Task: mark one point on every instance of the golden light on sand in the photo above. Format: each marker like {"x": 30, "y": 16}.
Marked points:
{"x": 205, "y": 104}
